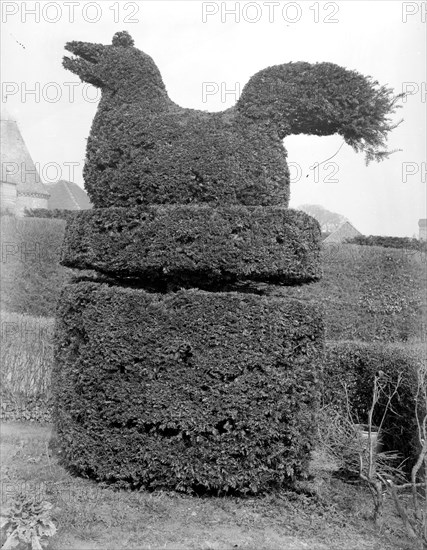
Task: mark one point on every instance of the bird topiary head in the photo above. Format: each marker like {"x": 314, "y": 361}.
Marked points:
{"x": 119, "y": 68}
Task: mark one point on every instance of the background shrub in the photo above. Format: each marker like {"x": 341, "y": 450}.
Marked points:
{"x": 190, "y": 391}
{"x": 55, "y": 213}
{"x": 354, "y": 364}
{"x": 26, "y": 358}
{"x": 390, "y": 242}
{"x": 31, "y": 274}
{"x": 370, "y": 293}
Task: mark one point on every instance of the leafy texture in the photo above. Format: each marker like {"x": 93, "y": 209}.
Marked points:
{"x": 55, "y": 213}
{"x": 145, "y": 149}
{"x": 370, "y": 293}
{"x": 196, "y": 245}
{"x": 322, "y": 99}
{"x": 31, "y": 275}
{"x": 406, "y": 243}
{"x": 354, "y": 365}
{"x": 28, "y": 521}
{"x": 192, "y": 391}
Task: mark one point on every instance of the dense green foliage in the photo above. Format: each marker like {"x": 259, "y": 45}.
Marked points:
{"x": 196, "y": 245}
{"x": 370, "y": 293}
{"x": 145, "y": 149}
{"x": 187, "y": 389}
{"x": 354, "y": 365}
{"x": 26, "y": 360}
{"x": 390, "y": 242}
{"x": 321, "y": 99}
{"x": 31, "y": 276}
{"x": 191, "y": 390}
{"x": 51, "y": 214}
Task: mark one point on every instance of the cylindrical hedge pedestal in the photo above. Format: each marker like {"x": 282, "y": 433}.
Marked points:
{"x": 191, "y": 390}
{"x": 196, "y": 245}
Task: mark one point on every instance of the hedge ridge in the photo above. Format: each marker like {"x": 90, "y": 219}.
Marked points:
{"x": 196, "y": 245}
{"x": 55, "y": 213}
{"x": 390, "y": 242}
{"x": 31, "y": 275}
{"x": 244, "y": 368}
{"x": 370, "y": 293}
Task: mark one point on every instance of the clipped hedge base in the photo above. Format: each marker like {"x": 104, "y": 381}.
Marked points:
{"x": 192, "y": 391}
{"x": 196, "y": 245}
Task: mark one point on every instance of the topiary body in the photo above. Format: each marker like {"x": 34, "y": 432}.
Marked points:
{"x": 202, "y": 388}
{"x": 144, "y": 149}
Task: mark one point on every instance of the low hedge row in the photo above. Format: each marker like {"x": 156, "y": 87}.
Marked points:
{"x": 56, "y": 213}
{"x": 370, "y": 293}
{"x": 354, "y": 365}
{"x": 196, "y": 245}
{"x": 25, "y": 408}
{"x": 192, "y": 391}
{"x": 31, "y": 275}
{"x": 390, "y": 242}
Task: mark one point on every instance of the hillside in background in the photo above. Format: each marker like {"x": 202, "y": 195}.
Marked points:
{"x": 368, "y": 292}
{"x": 329, "y": 221}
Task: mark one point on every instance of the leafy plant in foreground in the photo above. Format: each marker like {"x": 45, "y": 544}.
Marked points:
{"x": 27, "y": 521}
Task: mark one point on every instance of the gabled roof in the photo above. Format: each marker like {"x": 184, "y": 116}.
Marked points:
{"x": 16, "y": 162}
{"x": 344, "y": 232}
{"x": 67, "y": 195}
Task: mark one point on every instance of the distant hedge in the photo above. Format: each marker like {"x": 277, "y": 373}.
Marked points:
{"x": 390, "y": 242}
{"x": 193, "y": 391}
{"x": 370, "y": 293}
{"x": 55, "y": 213}
{"x": 30, "y": 272}
{"x": 196, "y": 245}
{"x": 355, "y": 364}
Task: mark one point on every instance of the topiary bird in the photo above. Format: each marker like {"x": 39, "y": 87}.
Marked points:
{"x": 199, "y": 390}
{"x": 145, "y": 149}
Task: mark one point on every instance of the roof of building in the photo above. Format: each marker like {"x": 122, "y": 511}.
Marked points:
{"x": 16, "y": 162}
{"x": 344, "y": 232}
{"x": 67, "y": 195}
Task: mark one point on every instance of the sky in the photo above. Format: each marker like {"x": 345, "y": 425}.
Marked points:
{"x": 206, "y": 52}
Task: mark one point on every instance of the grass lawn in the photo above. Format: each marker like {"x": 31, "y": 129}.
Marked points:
{"x": 90, "y": 516}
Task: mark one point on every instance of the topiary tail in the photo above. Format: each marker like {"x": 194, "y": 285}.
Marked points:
{"x": 321, "y": 99}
